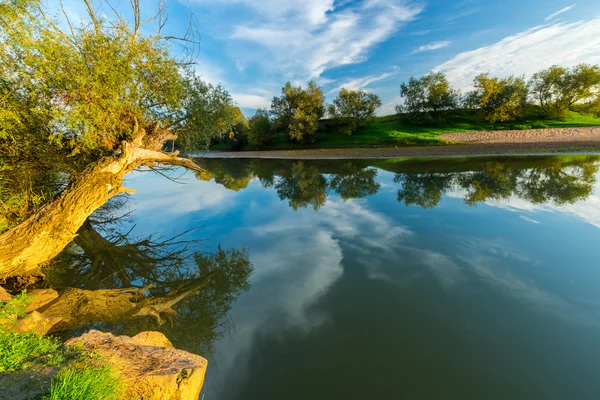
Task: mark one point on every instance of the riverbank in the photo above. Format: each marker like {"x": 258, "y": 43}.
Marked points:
{"x": 482, "y": 143}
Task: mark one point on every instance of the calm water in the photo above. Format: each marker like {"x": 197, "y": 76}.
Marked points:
{"x": 373, "y": 279}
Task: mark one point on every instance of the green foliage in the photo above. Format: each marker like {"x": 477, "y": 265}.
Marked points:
{"x": 208, "y": 114}
{"x": 429, "y": 99}
{"x": 84, "y": 383}
{"x": 261, "y": 131}
{"x": 521, "y": 127}
{"x": 18, "y": 351}
{"x": 239, "y": 129}
{"x": 499, "y": 100}
{"x": 298, "y": 111}
{"x": 538, "y": 125}
{"x": 14, "y": 308}
{"x": 557, "y": 89}
{"x": 69, "y": 96}
{"x": 92, "y": 83}
{"x": 354, "y": 109}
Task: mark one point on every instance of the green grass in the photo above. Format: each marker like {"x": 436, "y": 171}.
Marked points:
{"x": 81, "y": 375}
{"x": 389, "y": 131}
{"x": 19, "y": 351}
{"x": 84, "y": 383}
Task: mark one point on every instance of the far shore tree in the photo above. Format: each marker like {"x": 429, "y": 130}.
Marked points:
{"x": 429, "y": 99}
{"x": 261, "y": 131}
{"x": 354, "y": 109}
{"x": 498, "y": 99}
{"x": 238, "y": 132}
{"x": 298, "y": 111}
{"x": 557, "y": 89}
{"x": 80, "y": 107}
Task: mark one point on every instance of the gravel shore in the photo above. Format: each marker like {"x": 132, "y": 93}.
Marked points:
{"x": 565, "y": 140}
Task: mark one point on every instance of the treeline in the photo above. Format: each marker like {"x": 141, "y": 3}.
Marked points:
{"x": 427, "y": 100}
{"x": 297, "y": 113}
{"x": 556, "y": 90}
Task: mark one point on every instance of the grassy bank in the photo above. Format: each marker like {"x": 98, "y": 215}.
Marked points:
{"x": 391, "y": 131}
{"x": 41, "y": 367}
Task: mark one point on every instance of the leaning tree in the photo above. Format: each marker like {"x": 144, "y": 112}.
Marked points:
{"x": 82, "y": 103}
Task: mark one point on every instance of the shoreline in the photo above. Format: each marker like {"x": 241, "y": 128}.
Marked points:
{"x": 470, "y": 144}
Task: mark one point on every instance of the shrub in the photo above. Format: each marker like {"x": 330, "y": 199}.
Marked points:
{"x": 539, "y": 125}
{"x": 428, "y": 99}
{"x": 298, "y": 111}
{"x": 498, "y": 100}
{"x": 521, "y": 127}
{"x": 354, "y": 109}
{"x": 261, "y": 132}
{"x": 557, "y": 88}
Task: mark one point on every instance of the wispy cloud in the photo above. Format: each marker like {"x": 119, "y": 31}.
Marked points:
{"x": 304, "y": 43}
{"x": 564, "y": 10}
{"x": 246, "y": 100}
{"x": 432, "y": 46}
{"x": 364, "y": 82}
{"x": 528, "y": 52}
{"x": 420, "y": 33}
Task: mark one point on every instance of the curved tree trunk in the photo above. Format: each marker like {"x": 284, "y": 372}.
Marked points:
{"x": 45, "y": 234}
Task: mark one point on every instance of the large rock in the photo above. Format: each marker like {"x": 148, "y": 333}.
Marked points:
{"x": 4, "y": 295}
{"x": 150, "y": 369}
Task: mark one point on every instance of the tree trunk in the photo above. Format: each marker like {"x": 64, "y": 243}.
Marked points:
{"x": 40, "y": 238}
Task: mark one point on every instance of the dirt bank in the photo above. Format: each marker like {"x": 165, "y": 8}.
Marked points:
{"x": 567, "y": 140}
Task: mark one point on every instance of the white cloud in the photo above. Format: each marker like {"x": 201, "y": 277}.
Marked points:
{"x": 564, "y": 10}
{"x": 362, "y": 83}
{"x": 251, "y": 100}
{"x": 528, "y": 52}
{"x": 184, "y": 196}
{"x": 305, "y": 38}
{"x": 432, "y": 46}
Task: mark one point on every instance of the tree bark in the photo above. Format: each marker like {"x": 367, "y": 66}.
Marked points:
{"x": 40, "y": 238}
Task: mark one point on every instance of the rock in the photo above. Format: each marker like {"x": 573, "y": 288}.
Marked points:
{"x": 4, "y": 295}
{"x": 36, "y": 323}
{"x": 152, "y": 338}
{"x": 152, "y": 371}
{"x": 39, "y": 298}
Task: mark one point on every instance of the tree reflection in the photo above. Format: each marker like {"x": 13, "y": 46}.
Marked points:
{"x": 355, "y": 182}
{"x": 302, "y": 185}
{"x": 552, "y": 181}
{"x": 557, "y": 180}
{"x": 130, "y": 284}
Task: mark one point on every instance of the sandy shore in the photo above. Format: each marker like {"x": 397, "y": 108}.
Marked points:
{"x": 565, "y": 140}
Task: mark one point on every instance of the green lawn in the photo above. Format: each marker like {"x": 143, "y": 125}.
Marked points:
{"x": 389, "y": 131}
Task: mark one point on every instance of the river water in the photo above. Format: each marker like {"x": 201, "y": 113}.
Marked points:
{"x": 364, "y": 279}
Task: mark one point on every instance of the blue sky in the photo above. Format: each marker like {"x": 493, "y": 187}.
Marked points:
{"x": 253, "y": 47}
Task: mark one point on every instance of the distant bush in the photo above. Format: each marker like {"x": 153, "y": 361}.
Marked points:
{"x": 237, "y": 136}
{"x": 557, "y": 89}
{"x": 354, "y": 109}
{"x": 429, "y": 99}
{"x": 298, "y": 111}
{"x": 539, "y": 125}
{"x": 521, "y": 127}
{"x": 261, "y": 130}
{"x": 498, "y": 100}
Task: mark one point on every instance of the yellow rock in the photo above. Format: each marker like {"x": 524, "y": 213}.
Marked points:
{"x": 150, "y": 372}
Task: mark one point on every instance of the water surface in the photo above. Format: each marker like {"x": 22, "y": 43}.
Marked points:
{"x": 435, "y": 279}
